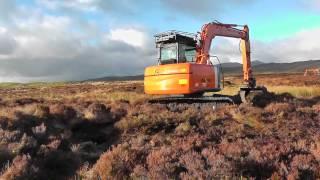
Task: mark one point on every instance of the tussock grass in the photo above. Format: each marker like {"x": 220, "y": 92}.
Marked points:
{"x": 251, "y": 118}
{"x": 31, "y": 85}
{"x": 9, "y": 85}
{"x": 229, "y": 90}
{"x": 110, "y": 96}
{"x": 297, "y": 91}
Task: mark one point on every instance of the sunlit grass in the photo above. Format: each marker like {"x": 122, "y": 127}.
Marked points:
{"x": 297, "y": 91}
{"x": 9, "y": 85}
{"x": 42, "y": 90}
{"x": 251, "y": 119}
{"x": 31, "y": 85}
{"x": 229, "y": 90}
{"x": 110, "y": 96}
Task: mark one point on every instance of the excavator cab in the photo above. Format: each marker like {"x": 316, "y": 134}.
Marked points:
{"x": 177, "y": 71}
{"x": 176, "y": 47}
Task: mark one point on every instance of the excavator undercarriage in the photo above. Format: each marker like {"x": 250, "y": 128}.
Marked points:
{"x": 175, "y": 103}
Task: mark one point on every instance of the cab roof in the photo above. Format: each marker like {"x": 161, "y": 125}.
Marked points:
{"x": 176, "y": 37}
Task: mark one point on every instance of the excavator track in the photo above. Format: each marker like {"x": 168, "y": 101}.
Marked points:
{"x": 178, "y": 103}
{"x": 253, "y": 96}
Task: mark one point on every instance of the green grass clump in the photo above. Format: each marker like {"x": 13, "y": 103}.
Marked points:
{"x": 10, "y": 85}
{"x": 297, "y": 91}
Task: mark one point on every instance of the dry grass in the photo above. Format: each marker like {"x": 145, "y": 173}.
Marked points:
{"x": 297, "y": 91}
{"x": 250, "y": 117}
{"x": 99, "y": 95}
{"x": 297, "y": 85}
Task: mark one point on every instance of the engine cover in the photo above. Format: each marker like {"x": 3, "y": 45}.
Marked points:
{"x": 183, "y": 78}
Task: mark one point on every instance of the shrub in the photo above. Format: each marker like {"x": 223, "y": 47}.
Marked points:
{"x": 98, "y": 113}
{"x": 62, "y": 111}
{"x": 194, "y": 166}
{"x": 116, "y": 163}
{"x": 39, "y": 131}
{"x": 183, "y": 128}
{"x": 26, "y": 144}
{"x": 37, "y": 110}
{"x": 248, "y": 115}
{"x": 315, "y": 150}
{"x": 56, "y": 165}
{"x": 218, "y": 166}
{"x": 164, "y": 163}
{"x": 279, "y": 107}
{"x": 302, "y": 167}
{"x": 19, "y": 169}
{"x": 133, "y": 122}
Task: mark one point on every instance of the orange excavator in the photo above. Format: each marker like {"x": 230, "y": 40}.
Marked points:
{"x": 185, "y": 66}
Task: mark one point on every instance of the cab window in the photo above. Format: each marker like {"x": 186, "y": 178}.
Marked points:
{"x": 168, "y": 54}
{"x": 186, "y": 53}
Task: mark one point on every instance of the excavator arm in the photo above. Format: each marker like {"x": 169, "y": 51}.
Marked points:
{"x": 211, "y": 30}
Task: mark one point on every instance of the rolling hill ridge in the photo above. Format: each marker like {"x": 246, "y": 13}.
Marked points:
{"x": 236, "y": 68}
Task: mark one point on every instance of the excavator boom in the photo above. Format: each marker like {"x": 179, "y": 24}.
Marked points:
{"x": 211, "y": 30}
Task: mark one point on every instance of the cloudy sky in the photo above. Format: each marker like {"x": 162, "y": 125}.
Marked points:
{"x": 57, "y": 40}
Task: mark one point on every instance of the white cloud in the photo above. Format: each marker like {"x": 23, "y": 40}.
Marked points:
{"x": 46, "y": 49}
{"x": 3, "y": 30}
{"x": 315, "y": 4}
{"x": 44, "y": 37}
{"x": 84, "y": 5}
{"x": 318, "y": 4}
{"x": 301, "y": 46}
{"x": 130, "y": 36}
{"x": 226, "y": 49}
{"x": 205, "y": 9}
{"x": 7, "y": 7}
{"x": 7, "y": 43}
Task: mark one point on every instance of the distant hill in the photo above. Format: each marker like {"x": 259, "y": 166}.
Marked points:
{"x": 294, "y": 67}
{"x": 231, "y": 65}
{"x": 118, "y": 78}
{"x": 255, "y": 63}
{"x": 238, "y": 65}
{"x": 236, "y": 68}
